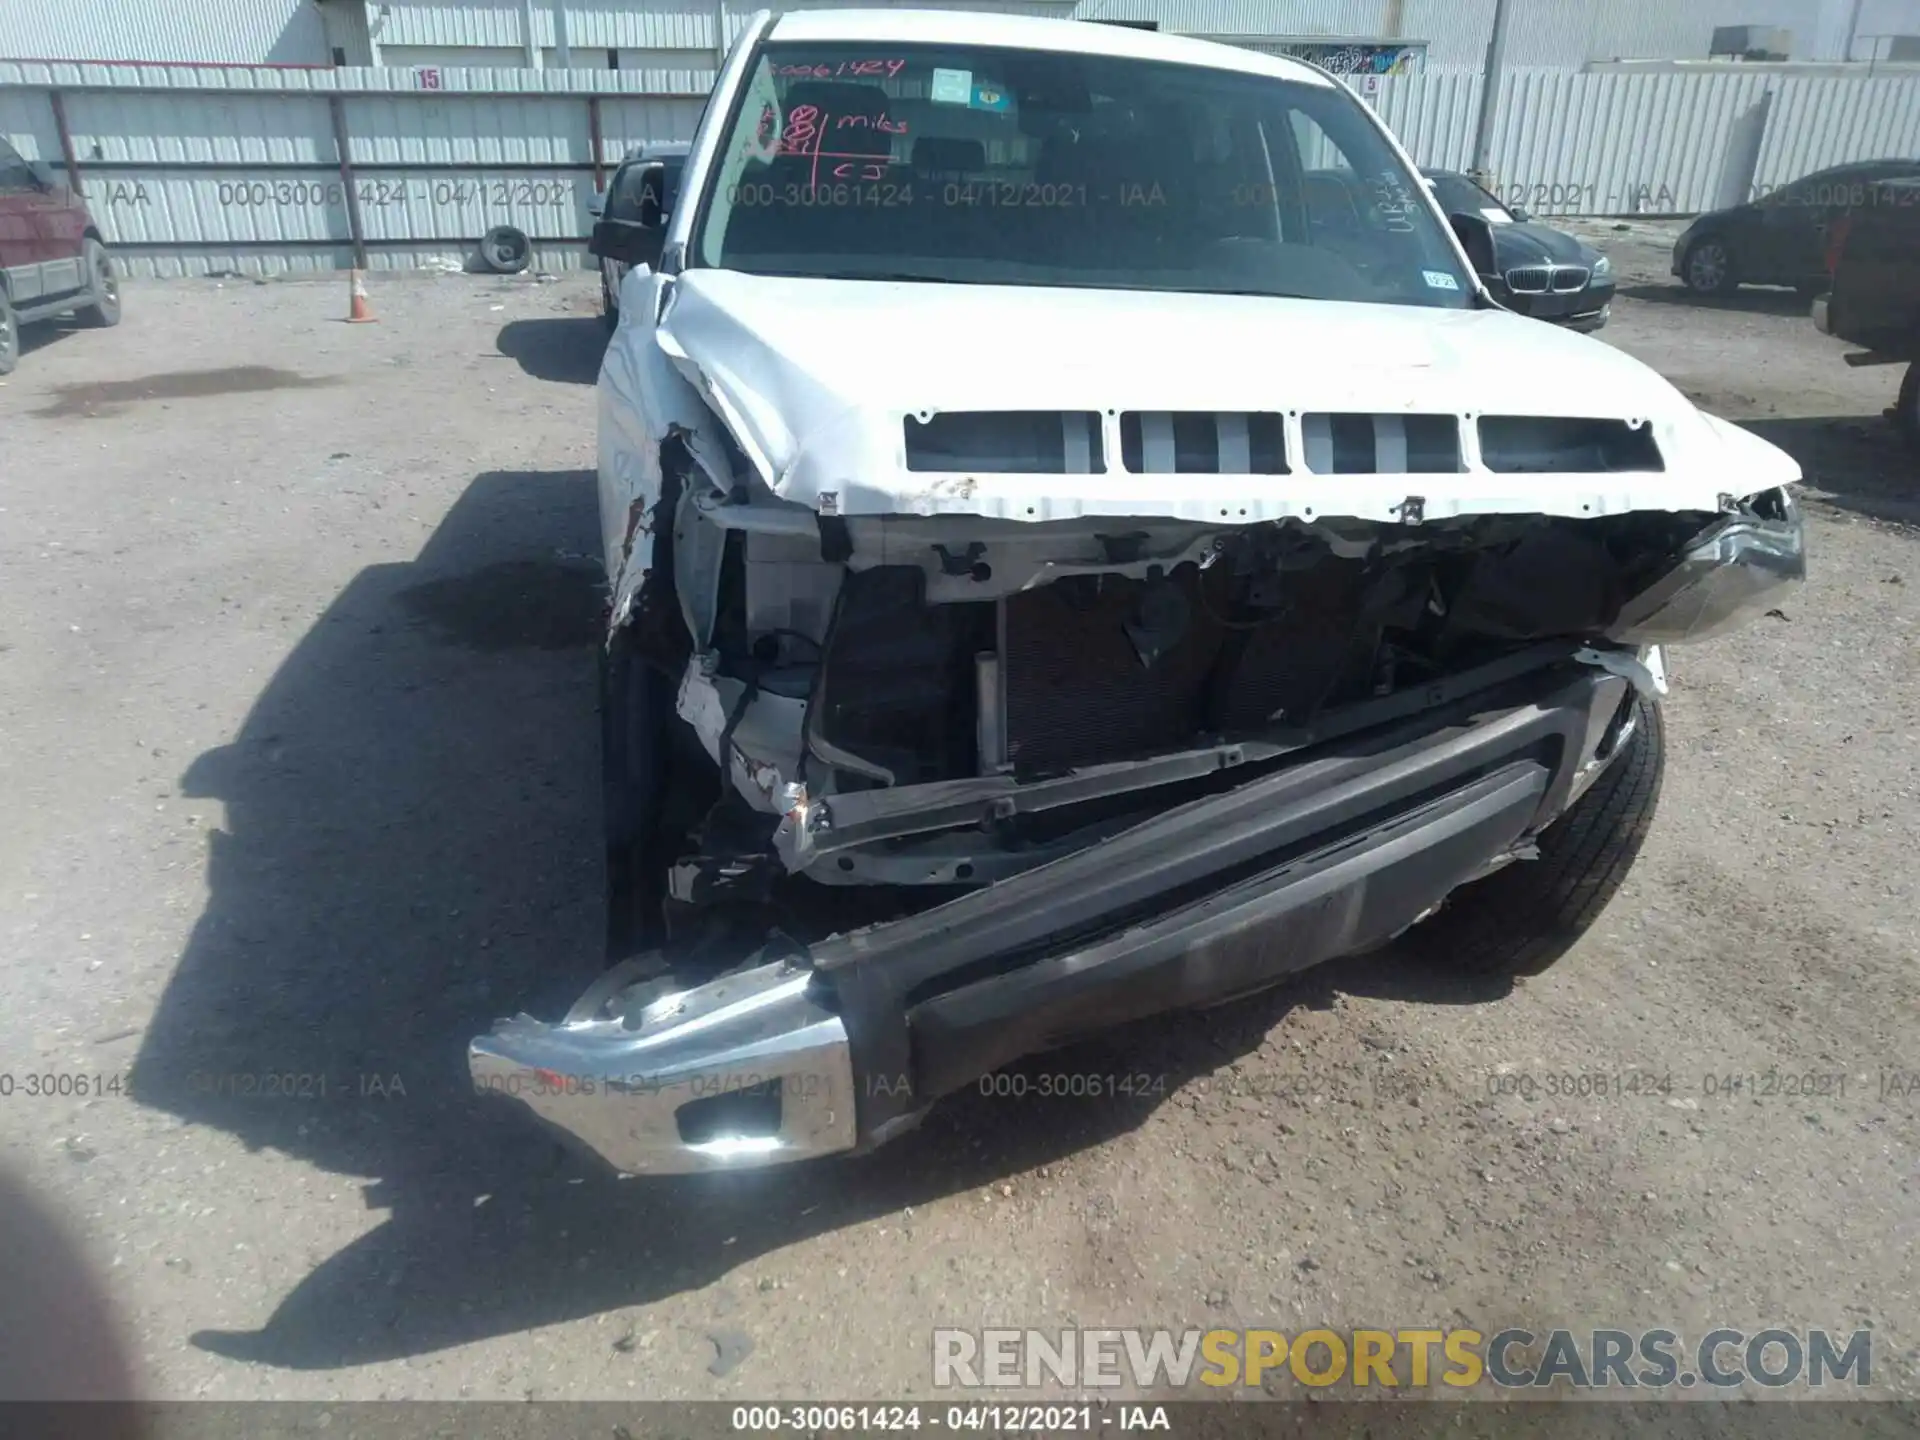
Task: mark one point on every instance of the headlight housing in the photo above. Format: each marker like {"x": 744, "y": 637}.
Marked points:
{"x": 1727, "y": 575}
{"x": 1602, "y": 268}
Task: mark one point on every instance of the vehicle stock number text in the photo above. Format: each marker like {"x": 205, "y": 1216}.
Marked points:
{"x": 369, "y": 194}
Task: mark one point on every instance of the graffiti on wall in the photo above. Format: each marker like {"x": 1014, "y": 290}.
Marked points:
{"x": 1363, "y": 58}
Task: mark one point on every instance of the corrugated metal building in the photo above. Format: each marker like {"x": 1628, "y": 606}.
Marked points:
{"x": 594, "y": 34}
{"x": 1440, "y": 35}
{"x": 192, "y": 168}
{"x": 535, "y": 34}
{"x": 235, "y": 32}
{"x": 1557, "y": 34}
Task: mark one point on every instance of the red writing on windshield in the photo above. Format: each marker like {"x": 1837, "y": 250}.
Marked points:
{"x": 803, "y": 130}
{"x": 806, "y": 132}
{"x": 870, "y": 122}
{"x": 829, "y": 71}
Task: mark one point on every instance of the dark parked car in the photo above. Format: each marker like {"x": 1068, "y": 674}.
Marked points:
{"x": 1875, "y": 302}
{"x": 1542, "y": 272}
{"x": 52, "y": 259}
{"x": 1780, "y": 238}
{"x": 640, "y": 194}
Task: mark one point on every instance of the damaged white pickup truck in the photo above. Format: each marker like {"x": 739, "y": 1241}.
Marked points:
{"x": 1084, "y": 542}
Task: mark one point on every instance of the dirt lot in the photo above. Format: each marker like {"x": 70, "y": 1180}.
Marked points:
{"x": 296, "y": 689}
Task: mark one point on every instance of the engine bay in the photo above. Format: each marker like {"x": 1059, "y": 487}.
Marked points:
{"x": 918, "y": 704}
{"x": 1270, "y": 627}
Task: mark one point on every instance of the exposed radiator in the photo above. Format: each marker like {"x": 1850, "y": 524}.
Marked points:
{"x": 1077, "y": 692}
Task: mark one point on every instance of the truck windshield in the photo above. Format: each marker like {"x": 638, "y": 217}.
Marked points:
{"x": 1025, "y": 167}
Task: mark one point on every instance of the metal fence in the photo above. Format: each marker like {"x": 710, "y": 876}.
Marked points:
{"x": 191, "y": 169}
{"x": 1624, "y": 143}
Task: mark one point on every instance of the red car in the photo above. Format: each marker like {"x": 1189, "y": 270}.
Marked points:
{"x": 52, "y": 259}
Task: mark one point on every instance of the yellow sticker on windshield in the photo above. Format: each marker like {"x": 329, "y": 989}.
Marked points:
{"x": 988, "y": 96}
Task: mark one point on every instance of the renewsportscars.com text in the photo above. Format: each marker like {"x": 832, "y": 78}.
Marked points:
{"x": 1512, "y": 1359}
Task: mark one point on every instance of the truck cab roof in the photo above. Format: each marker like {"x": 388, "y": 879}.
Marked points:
{"x": 1028, "y": 32}
{"x": 658, "y": 150}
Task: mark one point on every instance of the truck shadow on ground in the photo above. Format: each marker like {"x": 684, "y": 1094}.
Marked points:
{"x": 1752, "y": 299}
{"x": 44, "y": 334}
{"x": 1853, "y": 462}
{"x": 412, "y": 849}
{"x": 565, "y": 349}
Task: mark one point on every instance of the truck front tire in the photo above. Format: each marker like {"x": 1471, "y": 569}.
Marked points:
{"x": 656, "y": 782}
{"x": 609, "y": 304}
{"x": 1521, "y": 919}
{"x": 9, "y": 335}
{"x": 1906, "y": 410}
{"x": 103, "y": 287}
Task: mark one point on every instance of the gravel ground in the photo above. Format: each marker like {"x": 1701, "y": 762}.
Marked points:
{"x": 297, "y": 693}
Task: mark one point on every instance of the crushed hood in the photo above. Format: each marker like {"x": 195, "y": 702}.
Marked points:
{"x": 816, "y": 378}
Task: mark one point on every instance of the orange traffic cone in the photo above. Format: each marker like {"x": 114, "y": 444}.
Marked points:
{"x": 358, "y": 311}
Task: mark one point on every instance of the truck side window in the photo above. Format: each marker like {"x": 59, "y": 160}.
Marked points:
{"x": 16, "y": 176}
{"x": 630, "y": 187}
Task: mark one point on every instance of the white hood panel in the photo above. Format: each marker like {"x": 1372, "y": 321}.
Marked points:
{"x": 816, "y": 377}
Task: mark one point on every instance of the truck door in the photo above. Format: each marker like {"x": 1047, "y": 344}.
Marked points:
{"x": 61, "y": 222}
{"x": 20, "y": 243}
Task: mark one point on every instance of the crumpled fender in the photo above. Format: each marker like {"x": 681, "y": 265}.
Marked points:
{"x": 755, "y": 411}
{"x": 644, "y": 401}
{"x": 1730, "y": 573}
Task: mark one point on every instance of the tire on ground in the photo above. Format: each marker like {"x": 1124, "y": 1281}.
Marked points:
{"x": 609, "y": 304}
{"x": 1906, "y": 410}
{"x": 505, "y": 250}
{"x": 1521, "y": 919}
{"x": 103, "y": 289}
{"x": 9, "y": 335}
{"x": 656, "y": 782}
{"x": 1729, "y": 281}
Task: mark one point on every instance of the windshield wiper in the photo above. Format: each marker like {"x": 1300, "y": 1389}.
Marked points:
{"x": 919, "y": 276}
{"x": 1257, "y": 294}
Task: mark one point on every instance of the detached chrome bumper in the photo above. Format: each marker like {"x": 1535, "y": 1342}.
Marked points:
{"x": 1328, "y": 855}
{"x": 845, "y": 1046}
{"x": 744, "y": 1071}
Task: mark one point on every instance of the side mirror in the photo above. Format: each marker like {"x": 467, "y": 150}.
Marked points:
{"x": 1476, "y": 238}
{"x": 638, "y": 197}
{"x": 628, "y": 243}
{"x": 1518, "y": 214}
{"x": 596, "y": 204}
{"x": 653, "y": 209}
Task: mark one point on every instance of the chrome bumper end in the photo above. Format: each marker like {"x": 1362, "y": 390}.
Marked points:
{"x": 1730, "y": 574}
{"x": 745, "y": 1071}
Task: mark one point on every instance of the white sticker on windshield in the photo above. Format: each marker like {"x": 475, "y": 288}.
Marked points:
{"x": 951, "y": 87}
{"x": 1440, "y": 280}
